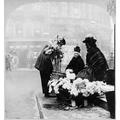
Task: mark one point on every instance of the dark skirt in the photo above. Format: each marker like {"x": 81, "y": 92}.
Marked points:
{"x": 110, "y": 96}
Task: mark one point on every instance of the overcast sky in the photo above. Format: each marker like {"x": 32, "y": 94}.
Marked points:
{"x": 11, "y": 5}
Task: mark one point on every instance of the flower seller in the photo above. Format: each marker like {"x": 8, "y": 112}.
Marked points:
{"x": 76, "y": 63}
{"x": 95, "y": 59}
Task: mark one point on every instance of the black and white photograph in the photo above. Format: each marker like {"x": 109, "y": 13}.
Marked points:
{"x": 59, "y": 59}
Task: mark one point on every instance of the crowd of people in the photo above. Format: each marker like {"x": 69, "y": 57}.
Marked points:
{"x": 93, "y": 69}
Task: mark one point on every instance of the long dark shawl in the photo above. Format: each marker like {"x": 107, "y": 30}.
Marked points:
{"x": 96, "y": 60}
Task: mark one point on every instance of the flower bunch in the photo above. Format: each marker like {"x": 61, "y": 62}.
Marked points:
{"x": 52, "y": 84}
{"x": 56, "y": 85}
{"x": 78, "y": 86}
{"x": 99, "y": 87}
{"x": 70, "y": 75}
{"x": 87, "y": 88}
{"x": 55, "y": 46}
{"x": 90, "y": 89}
{"x": 102, "y": 87}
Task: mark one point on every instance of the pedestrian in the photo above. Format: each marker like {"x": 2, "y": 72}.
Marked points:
{"x": 76, "y": 63}
{"x": 95, "y": 59}
{"x": 45, "y": 67}
{"x": 8, "y": 62}
{"x": 96, "y": 65}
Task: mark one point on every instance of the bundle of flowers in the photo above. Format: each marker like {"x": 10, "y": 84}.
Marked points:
{"x": 87, "y": 88}
{"x": 62, "y": 83}
{"x": 78, "y": 86}
{"x": 55, "y": 47}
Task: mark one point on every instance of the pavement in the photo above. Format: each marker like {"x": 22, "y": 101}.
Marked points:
{"x": 24, "y": 101}
{"x": 20, "y": 89}
{"x": 51, "y": 111}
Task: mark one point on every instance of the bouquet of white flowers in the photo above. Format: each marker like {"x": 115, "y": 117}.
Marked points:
{"x": 55, "y": 84}
{"x": 62, "y": 86}
{"x": 55, "y": 47}
{"x": 82, "y": 86}
{"x": 71, "y": 88}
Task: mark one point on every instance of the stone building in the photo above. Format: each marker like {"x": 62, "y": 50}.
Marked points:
{"x": 28, "y": 27}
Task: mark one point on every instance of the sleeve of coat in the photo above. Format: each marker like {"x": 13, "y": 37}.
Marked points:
{"x": 99, "y": 62}
{"x": 69, "y": 66}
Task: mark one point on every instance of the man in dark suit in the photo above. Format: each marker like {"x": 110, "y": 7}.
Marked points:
{"x": 45, "y": 67}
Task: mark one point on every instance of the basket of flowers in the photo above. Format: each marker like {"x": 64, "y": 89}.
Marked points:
{"x": 70, "y": 88}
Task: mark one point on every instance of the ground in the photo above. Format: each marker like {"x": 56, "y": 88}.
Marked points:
{"x": 24, "y": 101}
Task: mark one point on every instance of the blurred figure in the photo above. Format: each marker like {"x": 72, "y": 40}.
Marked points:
{"x": 76, "y": 63}
{"x": 14, "y": 62}
{"x": 8, "y": 62}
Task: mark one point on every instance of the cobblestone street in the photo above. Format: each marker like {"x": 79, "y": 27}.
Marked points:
{"x": 24, "y": 101}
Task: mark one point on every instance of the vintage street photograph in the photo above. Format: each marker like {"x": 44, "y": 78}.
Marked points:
{"x": 59, "y": 59}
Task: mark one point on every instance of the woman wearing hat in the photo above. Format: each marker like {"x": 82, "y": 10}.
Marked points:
{"x": 96, "y": 65}
{"x": 76, "y": 63}
{"x": 95, "y": 59}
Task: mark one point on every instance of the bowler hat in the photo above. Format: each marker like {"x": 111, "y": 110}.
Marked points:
{"x": 90, "y": 40}
{"x": 61, "y": 41}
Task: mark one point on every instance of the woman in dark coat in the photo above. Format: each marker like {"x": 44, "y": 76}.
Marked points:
{"x": 95, "y": 59}
{"x": 76, "y": 63}
{"x": 96, "y": 64}
{"x": 45, "y": 67}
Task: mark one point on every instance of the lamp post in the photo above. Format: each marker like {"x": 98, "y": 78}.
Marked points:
{"x": 111, "y": 9}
